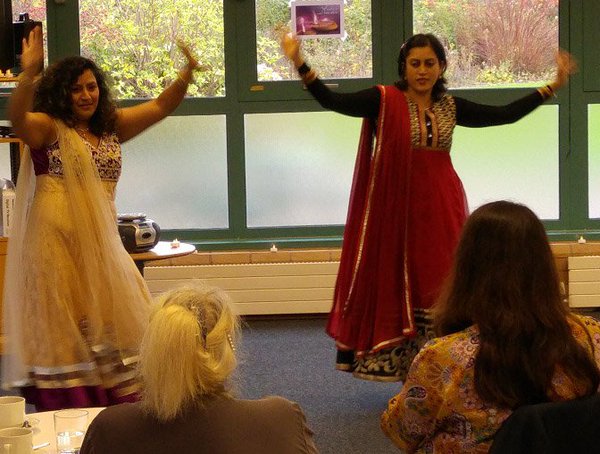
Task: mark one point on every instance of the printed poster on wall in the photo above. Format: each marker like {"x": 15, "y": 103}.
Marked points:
{"x": 318, "y": 19}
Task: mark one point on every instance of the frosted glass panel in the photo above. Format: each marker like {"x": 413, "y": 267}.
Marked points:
{"x": 594, "y": 160}
{"x": 518, "y": 162}
{"x": 4, "y": 156}
{"x": 5, "y": 161}
{"x": 299, "y": 168}
{"x": 135, "y": 46}
{"x": 176, "y": 172}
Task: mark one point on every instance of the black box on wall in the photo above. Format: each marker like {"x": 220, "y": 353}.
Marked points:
{"x": 12, "y": 34}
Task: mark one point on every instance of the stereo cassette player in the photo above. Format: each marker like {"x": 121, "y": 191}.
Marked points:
{"x": 137, "y": 233}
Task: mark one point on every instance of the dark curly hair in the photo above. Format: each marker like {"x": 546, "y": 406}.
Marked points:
{"x": 53, "y": 95}
{"x": 423, "y": 40}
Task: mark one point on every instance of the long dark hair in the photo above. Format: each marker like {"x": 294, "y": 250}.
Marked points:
{"x": 505, "y": 281}
{"x": 53, "y": 95}
{"x": 423, "y": 40}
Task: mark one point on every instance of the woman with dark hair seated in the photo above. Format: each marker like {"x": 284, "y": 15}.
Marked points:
{"x": 186, "y": 359}
{"x": 508, "y": 339}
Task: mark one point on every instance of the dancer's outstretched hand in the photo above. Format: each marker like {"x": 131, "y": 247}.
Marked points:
{"x": 32, "y": 57}
{"x": 565, "y": 66}
{"x": 291, "y": 48}
{"x": 192, "y": 62}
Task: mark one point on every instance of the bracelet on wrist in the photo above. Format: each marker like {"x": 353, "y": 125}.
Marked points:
{"x": 303, "y": 69}
{"x": 547, "y": 92}
{"x": 25, "y": 79}
{"x": 182, "y": 80}
{"x": 309, "y": 77}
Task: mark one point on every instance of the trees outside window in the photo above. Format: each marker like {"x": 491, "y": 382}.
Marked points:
{"x": 348, "y": 58}
{"x": 491, "y": 42}
{"x": 137, "y": 45}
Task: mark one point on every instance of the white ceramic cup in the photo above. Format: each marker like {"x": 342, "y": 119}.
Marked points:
{"x": 16, "y": 440}
{"x": 12, "y": 411}
{"x": 70, "y": 427}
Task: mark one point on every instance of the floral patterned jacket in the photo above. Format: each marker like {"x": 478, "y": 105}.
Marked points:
{"x": 438, "y": 410}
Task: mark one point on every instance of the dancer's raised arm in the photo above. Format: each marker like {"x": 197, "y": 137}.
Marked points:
{"x": 133, "y": 120}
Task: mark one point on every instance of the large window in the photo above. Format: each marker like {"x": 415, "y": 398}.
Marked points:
{"x": 35, "y": 8}
{"x": 594, "y": 160}
{"x": 510, "y": 161}
{"x": 345, "y": 58}
{"x": 250, "y": 158}
{"x": 301, "y": 175}
{"x": 176, "y": 173}
{"x": 137, "y": 45}
{"x": 493, "y": 42}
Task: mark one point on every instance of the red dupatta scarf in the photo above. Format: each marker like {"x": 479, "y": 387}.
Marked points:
{"x": 372, "y": 300}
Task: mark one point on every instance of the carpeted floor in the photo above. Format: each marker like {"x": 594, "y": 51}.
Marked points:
{"x": 294, "y": 358}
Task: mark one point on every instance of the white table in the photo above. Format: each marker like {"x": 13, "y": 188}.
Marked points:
{"x": 43, "y": 429}
{"x": 162, "y": 250}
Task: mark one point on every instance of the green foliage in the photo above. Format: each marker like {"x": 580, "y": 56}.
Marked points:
{"x": 35, "y": 8}
{"x": 488, "y": 41}
{"x": 334, "y": 58}
{"x": 492, "y": 41}
{"x": 495, "y": 75}
{"x": 444, "y": 18}
{"x": 137, "y": 46}
{"x": 272, "y": 15}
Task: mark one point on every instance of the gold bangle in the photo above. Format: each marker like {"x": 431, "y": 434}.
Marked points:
{"x": 545, "y": 92}
{"x": 181, "y": 80}
{"x": 24, "y": 79}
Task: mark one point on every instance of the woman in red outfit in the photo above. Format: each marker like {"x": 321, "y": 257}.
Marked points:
{"x": 407, "y": 204}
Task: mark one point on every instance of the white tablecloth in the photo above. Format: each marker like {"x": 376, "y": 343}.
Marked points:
{"x": 43, "y": 428}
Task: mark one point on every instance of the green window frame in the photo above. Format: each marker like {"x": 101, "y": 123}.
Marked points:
{"x": 392, "y": 23}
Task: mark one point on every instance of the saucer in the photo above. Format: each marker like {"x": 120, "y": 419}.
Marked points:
{"x": 33, "y": 424}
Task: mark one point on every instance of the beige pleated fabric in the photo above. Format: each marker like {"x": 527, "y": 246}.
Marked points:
{"x": 75, "y": 304}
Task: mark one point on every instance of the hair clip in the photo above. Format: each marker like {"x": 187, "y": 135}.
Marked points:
{"x": 203, "y": 331}
{"x": 230, "y": 340}
{"x": 402, "y": 47}
{"x": 195, "y": 309}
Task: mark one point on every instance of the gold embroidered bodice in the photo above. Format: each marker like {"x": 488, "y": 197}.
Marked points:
{"x": 106, "y": 156}
{"x": 433, "y": 127}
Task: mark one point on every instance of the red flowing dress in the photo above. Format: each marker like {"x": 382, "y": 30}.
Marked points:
{"x": 406, "y": 211}
{"x": 407, "y": 207}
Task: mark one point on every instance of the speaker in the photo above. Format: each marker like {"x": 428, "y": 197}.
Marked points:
{"x": 137, "y": 233}
{"x": 7, "y": 44}
{"x": 21, "y": 30}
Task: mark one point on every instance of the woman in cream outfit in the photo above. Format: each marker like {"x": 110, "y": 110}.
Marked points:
{"x": 75, "y": 304}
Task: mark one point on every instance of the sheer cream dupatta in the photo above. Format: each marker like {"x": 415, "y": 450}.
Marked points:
{"x": 118, "y": 301}
{"x": 14, "y": 372}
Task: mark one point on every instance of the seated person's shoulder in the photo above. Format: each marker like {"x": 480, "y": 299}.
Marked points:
{"x": 468, "y": 336}
{"x": 117, "y": 417}
{"x": 110, "y": 426}
{"x": 118, "y": 411}
{"x": 275, "y": 405}
{"x": 592, "y": 324}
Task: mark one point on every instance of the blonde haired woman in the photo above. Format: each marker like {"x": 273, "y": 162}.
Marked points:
{"x": 187, "y": 356}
